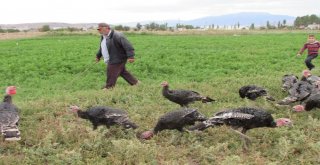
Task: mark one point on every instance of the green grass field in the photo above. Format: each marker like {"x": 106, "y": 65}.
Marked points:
{"x": 54, "y": 72}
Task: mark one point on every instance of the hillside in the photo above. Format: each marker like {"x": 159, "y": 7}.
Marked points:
{"x": 244, "y": 19}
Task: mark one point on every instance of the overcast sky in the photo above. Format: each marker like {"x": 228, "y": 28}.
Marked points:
{"x": 122, "y": 11}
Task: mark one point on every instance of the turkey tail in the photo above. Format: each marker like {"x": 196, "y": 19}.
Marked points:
{"x": 207, "y": 99}
{"x": 11, "y": 134}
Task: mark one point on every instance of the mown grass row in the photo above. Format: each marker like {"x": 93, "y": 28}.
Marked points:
{"x": 54, "y": 72}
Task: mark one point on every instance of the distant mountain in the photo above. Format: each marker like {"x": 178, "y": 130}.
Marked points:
{"x": 244, "y": 19}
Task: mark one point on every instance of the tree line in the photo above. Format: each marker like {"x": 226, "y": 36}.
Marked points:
{"x": 8, "y": 30}
{"x": 306, "y": 20}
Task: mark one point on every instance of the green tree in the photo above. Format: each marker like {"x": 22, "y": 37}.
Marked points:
{"x": 72, "y": 29}
{"x": 184, "y": 26}
{"x": 118, "y": 27}
{"x": 284, "y": 22}
{"x": 139, "y": 26}
{"x": 154, "y": 26}
{"x": 12, "y": 30}
{"x": 268, "y": 25}
{"x": 126, "y": 28}
{"x": 189, "y": 27}
{"x": 147, "y": 26}
{"x": 279, "y": 25}
{"x": 297, "y": 22}
{"x": 252, "y": 26}
{"x": 313, "y": 19}
{"x": 306, "y": 20}
{"x": 163, "y": 27}
{"x": 45, "y": 28}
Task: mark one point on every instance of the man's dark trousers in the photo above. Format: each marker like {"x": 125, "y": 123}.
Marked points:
{"x": 116, "y": 70}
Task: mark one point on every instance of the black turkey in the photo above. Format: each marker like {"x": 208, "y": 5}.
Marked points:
{"x": 310, "y": 103}
{"x": 7, "y": 100}
{"x": 312, "y": 79}
{"x": 177, "y": 119}
{"x": 102, "y": 115}
{"x": 9, "y": 116}
{"x": 244, "y": 118}
{"x": 288, "y": 81}
{"x": 252, "y": 92}
{"x": 183, "y": 97}
{"x": 299, "y": 92}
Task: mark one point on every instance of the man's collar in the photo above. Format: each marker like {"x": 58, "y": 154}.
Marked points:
{"x": 108, "y": 35}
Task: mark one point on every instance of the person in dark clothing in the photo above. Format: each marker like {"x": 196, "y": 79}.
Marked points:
{"x": 116, "y": 51}
{"x": 313, "y": 47}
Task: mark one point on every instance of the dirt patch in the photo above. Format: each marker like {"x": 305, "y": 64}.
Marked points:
{"x": 8, "y": 36}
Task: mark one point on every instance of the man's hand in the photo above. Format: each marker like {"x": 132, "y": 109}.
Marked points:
{"x": 131, "y": 60}
{"x": 298, "y": 54}
{"x": 97, "y": 60}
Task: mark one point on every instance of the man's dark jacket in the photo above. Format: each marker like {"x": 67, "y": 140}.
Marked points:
{"x": 119, "y": 48}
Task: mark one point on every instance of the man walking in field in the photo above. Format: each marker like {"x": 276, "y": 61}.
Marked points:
{"x": 313, "y": 46}
{"x": 116, "y": 50}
